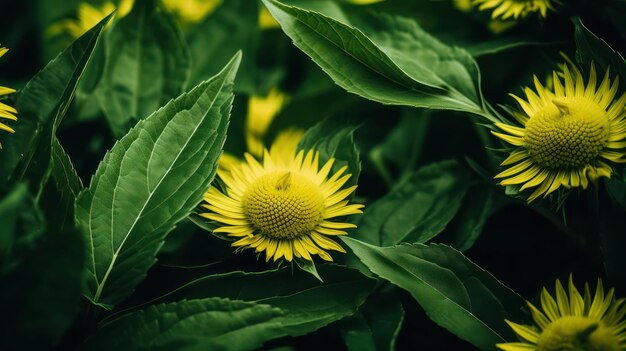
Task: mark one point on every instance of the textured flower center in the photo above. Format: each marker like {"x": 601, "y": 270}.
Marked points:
{"x": 284, "y": 205}
{"x": 575, "y": 333}
{"x": 567, "y": 134}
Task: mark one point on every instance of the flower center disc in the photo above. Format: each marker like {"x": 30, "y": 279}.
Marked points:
{"x": 284, "y": 205}
{"x": 574, "y": 333}
{"x": 569, "y": 133}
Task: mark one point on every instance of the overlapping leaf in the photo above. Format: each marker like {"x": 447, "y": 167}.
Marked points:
{"x": 454, "y": 292}
{"x": 150, "y": 180}
{"x": 381, "y": 57}
{"x": 147, "y": 64}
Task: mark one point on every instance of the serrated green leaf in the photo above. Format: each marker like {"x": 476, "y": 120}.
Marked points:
{"x": 147, "y": 64}
{"x": 150, "y": 180}
{"x": 455, "y": 293}
{"x": 334, "y": 138}
{"x": 590, "y": 48}
{"x": 41, "y": 106}
{"x": 203, "y": 324}
{"x": 384, "y": 58}
{"x": 418, "y": 208}
{"x": 308, "y": 303}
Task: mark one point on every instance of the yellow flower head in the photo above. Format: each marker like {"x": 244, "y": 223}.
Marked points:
{"x": 574, "y": 322}
{"x": 568, "y": 136}
{"x": 87, "y": 17}
{"x": 191, "y": 11}
{"x": 261, "y": 113}
{"x": 283, "y": 206}
{"x": 506, "y": 9}
{"x": 6, "y": 111}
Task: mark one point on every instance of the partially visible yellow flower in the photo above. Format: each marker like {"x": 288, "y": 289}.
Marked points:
{"x": 6, "y": 111}
{"x": 267, "y": 21}
{"x": 191, "y": 11}
{"x": 87, "y": 17}
{"x": 567, "y": 136}
{"x": 573, "y": 322}
{"x": 283, "y": 206}
{"x": 261, "y": 113}
{"x": 506, "y": 9}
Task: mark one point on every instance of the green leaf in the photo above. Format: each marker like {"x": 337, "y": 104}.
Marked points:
{"x": 150, "y": 180}
{"x": 381, "y": 57}
{"x": 376, "y": 325}
{"x": 22, "y": 225}
{"x": 418, "y": 208}
{"x": 147, "y": 64}
{"x": 590, "y": 48}
{"x": 232, "y": 27}
{"x": 308, "y": 303}
{"x": 455, "y": 293}
{"x": 334, "y": 138}
{"x": 41, "y": 106}
{"x": 204, "y": 324}
{"x": 42, "y": 295}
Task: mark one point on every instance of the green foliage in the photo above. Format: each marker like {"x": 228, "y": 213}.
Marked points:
{"x": 454, "y": 292}
{"x": 170, "y": 155}
{"x": 147, "y": 64}
{"x": 418, "y": 208}
{"x": 387, "y": 59}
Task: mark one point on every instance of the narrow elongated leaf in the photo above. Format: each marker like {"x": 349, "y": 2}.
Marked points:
{"x": 590, "y": 48}
{"x": 150, "y": 180}
{"x": 455, "y": 293}
{"x": 41, "y": 106}
{"x": 418, "y": 208}
{"x": 67, "y": 186}
{"x": 205, "y": 324}
{"x": 147, "y": 64}
{"x": 381, "y": 57}
{"x": 334, "y": 138}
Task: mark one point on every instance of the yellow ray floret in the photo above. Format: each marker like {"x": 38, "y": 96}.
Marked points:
{"x": 506, "y": 9}
{"x": 568, "y": 136}
{"x": 6, "y": 112}
{"x": 572, "y": 321}
{"x": 285, "y": 206}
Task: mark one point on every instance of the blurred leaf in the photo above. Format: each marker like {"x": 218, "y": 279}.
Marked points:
{"x": 42, "y": 295}
{"x": 334, "y": 138}
{"x": 590, "y": 48}
{"x": 478, "y": 205}
{"x": 612, "y": 243}
{"x": 147, "y": 64}
{"x": 41, "y": 106}
{"x": 308, "y": 303}
{"x": 22, "y": 225}
{"x": 455, "y": 293}
{"x": 205, "y": 324}
{"x": 232, "y": 27}
{"x": 381, "y": 57}
{"x": 148, "y": 182}
{"x": 418, "y": 208}
{"x": 616, "y": 188}
{"x": 376, "y": 325}
{"x": 498, "y": 45}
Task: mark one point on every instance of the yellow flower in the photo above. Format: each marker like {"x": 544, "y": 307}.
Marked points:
{"x": 574, "y": 322}
{"x": 191, "y": 11}
{"x": 261, "y": 113}
{"x": 514, "y": 8}
{"x": 87, "y": 17}
{"x": 6, "y": 111}
{"x": 283, "y": 206}
{"x": 569, "y": 136}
